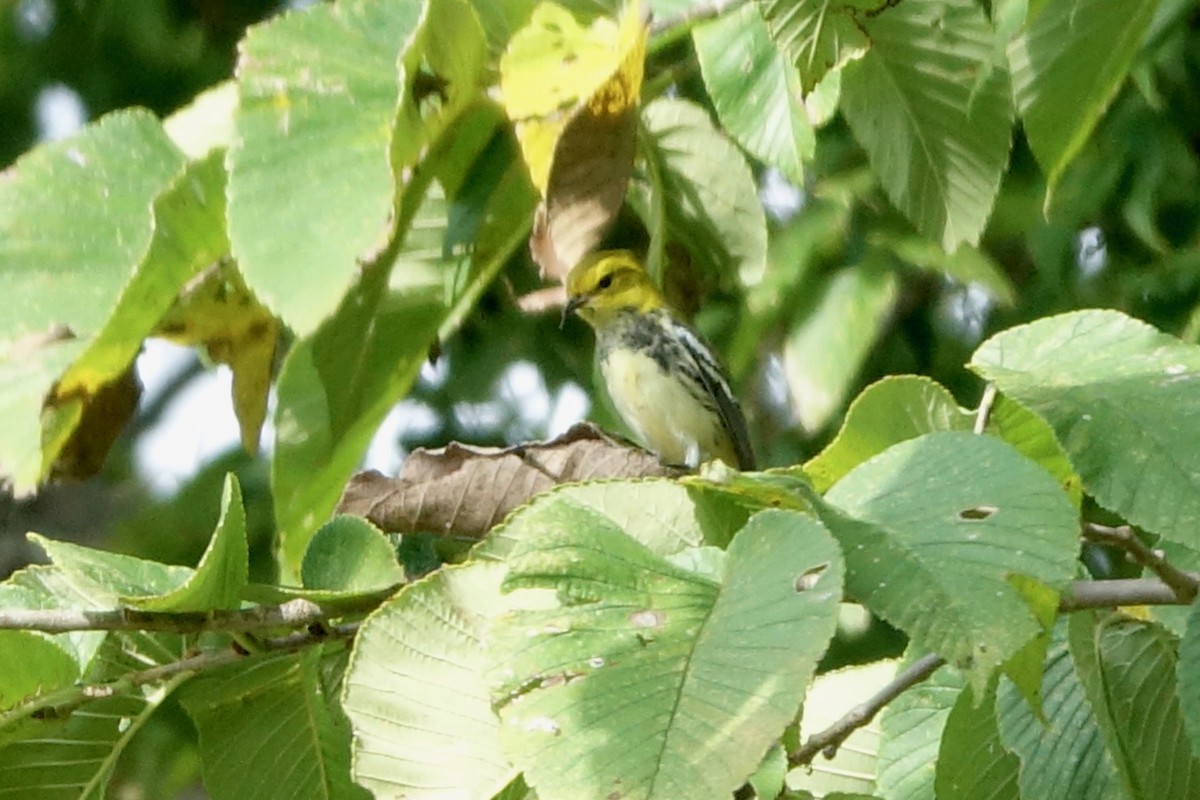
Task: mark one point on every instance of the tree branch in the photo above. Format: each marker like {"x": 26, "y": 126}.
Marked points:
{"x": 829, "y": 740}
{"x": 56, "y": 704}
{"x": 1079, "y": 596}
{"x": 292, "y": 614}
{"x": 1185, "y": 585}
{"x": 694, "y": 15}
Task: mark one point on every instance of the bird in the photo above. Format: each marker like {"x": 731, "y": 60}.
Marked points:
{"x": 664, "y": 380}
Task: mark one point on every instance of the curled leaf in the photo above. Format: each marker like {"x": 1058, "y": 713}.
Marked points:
{"x": 462, "y": 491}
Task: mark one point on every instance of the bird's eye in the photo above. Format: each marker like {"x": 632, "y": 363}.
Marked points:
{"x": 605, "y": 282}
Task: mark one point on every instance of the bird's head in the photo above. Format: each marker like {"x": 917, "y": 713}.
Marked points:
{"x": 608, "y": 282}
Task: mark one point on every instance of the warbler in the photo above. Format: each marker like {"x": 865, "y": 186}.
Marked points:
{"x": 663, "y": 379}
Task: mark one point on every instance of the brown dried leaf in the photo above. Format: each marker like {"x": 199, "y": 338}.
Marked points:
{"x": 462, "y": 491}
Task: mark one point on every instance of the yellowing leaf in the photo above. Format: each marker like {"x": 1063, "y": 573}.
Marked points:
{"x": 220, "y": 313}
{"x": 572, "y": 92}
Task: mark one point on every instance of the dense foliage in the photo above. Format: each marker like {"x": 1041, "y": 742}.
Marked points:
{"x": 977, "y": 220}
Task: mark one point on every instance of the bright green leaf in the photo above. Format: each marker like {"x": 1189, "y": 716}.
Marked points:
{"x": 350, "y": 554}
{"x": 756, "y": 93}
{"x": 664, "y": 515}
{"x": 1121, "y": 398}
{"x": 952, "y": 515}
{"x": 825, "y": 348}
{"x": 330, "y": 113}
{"x": 90, "y": 570}
{"x": 831, "y": 696}
{"x": 416, "y": 694}
{"x": 819, "y": 35}
{"x": 639, "y": 679}
{"x": 222, "y": 572}
{"x": 937, "y": 141}
{"x": 75, "y": 218}
{"x": 892, "y": 410}
{"x": 1067, "y": 68}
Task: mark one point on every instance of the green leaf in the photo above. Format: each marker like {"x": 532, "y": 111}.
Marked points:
{"x": 889, "y": 411}
{"x": 952, "y": 515}
{"x": 937, "y": 133}
{"x": 825, "y": 348}
{"x": 416, "y": 693}
{"x": 269, "y": 729}
{"x": 1128, "y": 670}
{"x": 49, "y": 587}
{"x": 206, "y": 123}
{"x": 222, "y": 572}
{"x": 75, "y": 218}
{"x": 74, "y": 759}
{"x": 966, "y": 265}
{"x": 112, "y": 575}
{"x": 329, "y": 405}
{"x": 702, "y": 186}
{"x": 1035, "y": 439}
{"x": 756, "y": 93}
{"x": 911, "y": 729}
{"x": 1063, "y": 756}
{"x": 331, "y": 112}
{"x": 30, "y": 663}
{"x": 818, "y": 35}
{"x": 1121, "y": 399}
{"x": 972, "y": 762}
{"x": 352, "y": 555}
{"x": 1188, "y": 675}
{"x": 831, "y": 696}
{"x": 1067, "y": 68}
{"x": 638, "y": 678}
{"x": 663, "y": 515}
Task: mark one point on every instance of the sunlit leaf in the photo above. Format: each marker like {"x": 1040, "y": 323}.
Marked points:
{"x": 638, "y": 678}
{"x": 1120, "y": 397}
{"x": 335, "y": 103}
{"x": 937, "y": 141}
{"x": 819, "y": 35}
{"x": 949, "y": 515}
{"x": 1067, "y": 68}
{"x": 416, "y": 693}
{"x": 350, "y": 554}
{"x": 755, "y": 91}
{"x": 75, "y": 218}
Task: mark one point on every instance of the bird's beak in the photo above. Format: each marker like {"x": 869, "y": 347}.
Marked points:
{"x": 572, "y": 304}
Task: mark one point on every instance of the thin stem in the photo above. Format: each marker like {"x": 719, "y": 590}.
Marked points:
{"x": 1081, "y": 595}
{"x": 292, "y": 614}
{"x": 1185, "y": 585}
{"x": 985, "y": 407}
{"x": 830, "y": 739}
{"x": 61, "y": 702}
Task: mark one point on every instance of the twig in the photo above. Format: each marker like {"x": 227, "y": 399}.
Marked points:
{"x": 1120, "y": 592}
{"x": 830, "y": 739}
{"x": 1184, "y": 584}
{"x": 985, "y": 407}
{"x": 292, "y": 614}
{"x": 1081, "y": 595}
{"x": 61, "y": 702}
